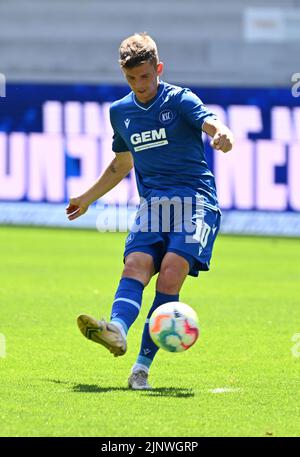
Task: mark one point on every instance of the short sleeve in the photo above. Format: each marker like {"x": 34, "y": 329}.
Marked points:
{"x": 193, "y": 110}
{"x": 118, "y": 144}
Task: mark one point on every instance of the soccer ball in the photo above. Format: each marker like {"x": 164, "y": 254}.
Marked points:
{"x": 174, "y": 327}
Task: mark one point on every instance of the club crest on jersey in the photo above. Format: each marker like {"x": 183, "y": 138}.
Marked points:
{"x": 149, "y": 139}
{"x": 166, "y": 116}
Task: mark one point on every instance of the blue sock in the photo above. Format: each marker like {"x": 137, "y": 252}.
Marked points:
{"x": 127, "y": 302}
{"x": 148, "y": 347}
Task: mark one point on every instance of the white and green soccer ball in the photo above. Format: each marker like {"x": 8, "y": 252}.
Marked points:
{"x": 174, "y": 327}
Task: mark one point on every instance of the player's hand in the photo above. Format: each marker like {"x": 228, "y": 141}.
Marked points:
{"x": 222, "y": 141}
{"x": 77, "y": 207}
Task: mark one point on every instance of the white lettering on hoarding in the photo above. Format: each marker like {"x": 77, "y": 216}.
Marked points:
{"x": 281, "y": 124}
{"x": 85, "y": 149}
{"x": 53, "y": 117}
{"x": 270, "y": 195}
{"x": 244, "y": 120}
{"x": 73, "y": 119}
{"x": 293, "y": 176}
{"x": 247, "y": 180}
{"x": 13, "y": 158}
{"x": 234, "y": 175}
{"x": 46, "y": 167}
{"x": 92, "y": 119}
{"x": 33, "y": 166}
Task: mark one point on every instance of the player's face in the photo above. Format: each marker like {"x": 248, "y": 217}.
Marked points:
{"x": 143, "y": 80}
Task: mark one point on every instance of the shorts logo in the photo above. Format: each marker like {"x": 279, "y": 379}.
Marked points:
{"x": 166, "y": 116}
{"x": 129, "y": 238}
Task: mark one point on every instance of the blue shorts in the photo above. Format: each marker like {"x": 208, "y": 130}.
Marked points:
{"x": 191, "y": 235}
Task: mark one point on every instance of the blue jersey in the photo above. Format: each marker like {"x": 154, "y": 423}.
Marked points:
{"x": 165, "y": 139}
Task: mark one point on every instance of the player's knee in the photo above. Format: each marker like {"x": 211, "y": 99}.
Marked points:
{"x": 139, "y": 268}
{"x": 170, "y": 279}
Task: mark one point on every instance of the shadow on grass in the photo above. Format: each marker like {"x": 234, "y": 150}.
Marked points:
{"x": 158, "y": 392}
{"x": 96, "y": 388}
{"x": 170, "y": 392}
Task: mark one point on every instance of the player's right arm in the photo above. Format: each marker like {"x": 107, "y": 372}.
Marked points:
{"x": 119, "y": 167}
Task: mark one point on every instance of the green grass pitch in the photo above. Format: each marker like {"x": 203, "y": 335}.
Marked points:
{"x": 240, "y": 379}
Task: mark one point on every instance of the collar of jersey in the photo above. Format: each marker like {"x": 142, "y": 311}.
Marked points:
{"x": 148, "y": 105}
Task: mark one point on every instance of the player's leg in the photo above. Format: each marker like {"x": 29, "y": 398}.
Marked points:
{"x": 196, "y": 248}
{"x": 173, "y": 271}
{"x": 137, "y": 272}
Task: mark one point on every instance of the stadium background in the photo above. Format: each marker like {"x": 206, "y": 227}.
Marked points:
{"x": 62, "y": 73}
{"x": 59, "y": 66}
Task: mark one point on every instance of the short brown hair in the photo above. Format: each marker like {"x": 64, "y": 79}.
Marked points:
{"x": 137, "y": 49}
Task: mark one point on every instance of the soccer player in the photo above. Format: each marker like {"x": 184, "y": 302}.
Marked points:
{"x": 158, "y": 131}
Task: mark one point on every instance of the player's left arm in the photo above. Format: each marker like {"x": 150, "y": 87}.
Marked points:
{"x": 222, "y": 137}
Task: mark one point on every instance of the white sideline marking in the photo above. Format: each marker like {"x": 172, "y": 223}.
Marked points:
{"x": 224, "y": 390}
{"x": 2, "y": 346}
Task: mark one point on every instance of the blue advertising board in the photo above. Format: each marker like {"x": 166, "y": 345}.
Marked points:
{"x": 55, "y": 140}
